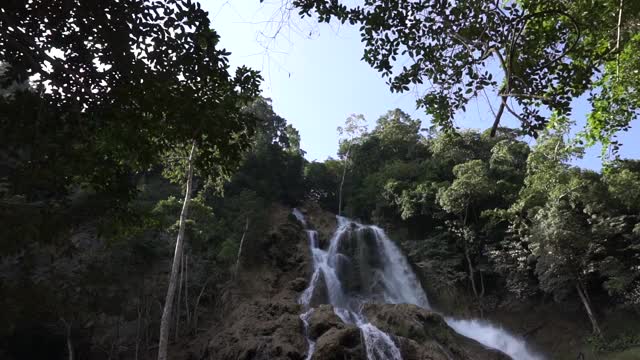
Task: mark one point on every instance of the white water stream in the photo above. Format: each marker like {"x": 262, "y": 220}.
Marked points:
{"x": 361, "y": 264}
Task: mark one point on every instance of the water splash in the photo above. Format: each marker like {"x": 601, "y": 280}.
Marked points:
{"x": 378, "y": 344}
{"x": 300, "y": 216}
{"x": 494, "y": 337}
{"x": 311, "y": 345}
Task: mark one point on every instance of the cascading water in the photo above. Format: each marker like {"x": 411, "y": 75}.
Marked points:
{"x": 363, "y": 265}
{"x": 326, "y": 265}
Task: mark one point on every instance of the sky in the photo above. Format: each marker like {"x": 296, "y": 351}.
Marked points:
{"x": 315, "y": 77}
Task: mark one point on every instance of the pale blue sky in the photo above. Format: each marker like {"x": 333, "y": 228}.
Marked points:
{"x": 315, "y": 77}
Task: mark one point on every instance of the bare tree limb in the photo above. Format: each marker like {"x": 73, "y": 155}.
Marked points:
{"x": 618, "y": 40}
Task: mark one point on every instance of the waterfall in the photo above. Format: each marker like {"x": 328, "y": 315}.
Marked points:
{"x": 360, "y": 265}
{"x": 326, "y": 264}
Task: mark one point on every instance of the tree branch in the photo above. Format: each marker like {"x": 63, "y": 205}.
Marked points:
{"x": 618, "y": 40}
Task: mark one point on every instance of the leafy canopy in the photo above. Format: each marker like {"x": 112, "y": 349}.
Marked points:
{"x": 535, "y": 55}
{"x": 117, "y": 84}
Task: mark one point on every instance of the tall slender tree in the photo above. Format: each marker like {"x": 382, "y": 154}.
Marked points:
{"x": 354, "y": 127}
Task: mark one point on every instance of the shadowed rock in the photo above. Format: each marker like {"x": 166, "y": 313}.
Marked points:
{"x": 320, "y": 294}
{"x": 340, "y": 344}
{"x": 422, "y": 334}
{"x": 322, "y": 319}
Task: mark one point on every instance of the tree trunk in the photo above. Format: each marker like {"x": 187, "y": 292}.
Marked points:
{"x": 587, "y": 306}
{"x": 138, "y": 326}
{"x": 195, "y": 308}
{"x": 246, "y": 227}
{"x": 70, "y": 352}
{"x": 180, "y": 282}
{"x": 173, "y": 280}
{"x": 472, "y": 276}
{"x": 472, "y": 273}
{"x": 115, "y": 350}
{"x": 186, "y": 289}
{"x": 344, "y": 173}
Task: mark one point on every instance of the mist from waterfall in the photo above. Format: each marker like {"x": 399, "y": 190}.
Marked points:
{"x": 361, "y": 265}
{"x": 494, "y": 337}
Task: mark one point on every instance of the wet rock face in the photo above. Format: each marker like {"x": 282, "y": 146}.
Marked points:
{"x": 323, "y": 319}
{"x": 409, "y": 321}
{"x": 422, "y": 334}
{"x": 340, "y": 344}
{"x": 359, "y": 261}
{"x": 419, "y": 334}
{"x": 273, "y": 333}
{"x": 320, "y": 220}
{"x": 298, "y": 284}
{"x": 259, "y": 314}
{"x": 320, "y": 294}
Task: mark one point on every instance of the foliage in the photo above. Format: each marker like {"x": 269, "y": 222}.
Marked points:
{"x": 114, "y": 86}
{"x": 616, "y": 102}
{"x": 613, "y": 344}
{"x": 497, "y": 213}
{"x": 274, "y": 165}
{"x": 539, "y": 54}
{"x": 321, "y": 182}
{"x": 470, "y": 187}
{"x": 97, "y": 99}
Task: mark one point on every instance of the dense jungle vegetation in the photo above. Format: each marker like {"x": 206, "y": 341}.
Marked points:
{"x": 134, "y": 163}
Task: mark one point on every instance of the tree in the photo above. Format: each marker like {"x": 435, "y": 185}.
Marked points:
{"x": 617, "y": 102}
{"x": 564, "y": 246}
{"x": 354, "y": 127}
{"x": 464, "y": 198}
{"x": 322, "y": 181}
{"x": 624, "y": 186}
{"x": 539, "y": 54}
{"x": 398, "y": 134}
{"x": 273, "y": 167}
{"x": 116, "y": 85}
{"x": 556, "y": 216}
{"x": 128, "y": 83}
{"x": 167, "y": 310}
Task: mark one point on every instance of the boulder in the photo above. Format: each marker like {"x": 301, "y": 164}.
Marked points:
{"x": 340, "y": 344}
{"x": 322, "y": 221}
{"x": 298, "y": 284}
{"x": 320, "y": 294}
{"x": 321, "y": 320}
{"x": 423, "y": 334}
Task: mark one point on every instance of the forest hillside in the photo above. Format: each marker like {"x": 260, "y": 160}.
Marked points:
{"x": 154, "y": 205}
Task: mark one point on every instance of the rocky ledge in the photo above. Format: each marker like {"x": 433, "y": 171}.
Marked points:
{"x": 260, "y": 314}
{"x": 419, "y": 334}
